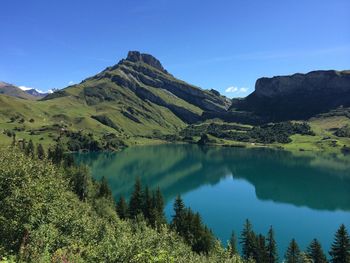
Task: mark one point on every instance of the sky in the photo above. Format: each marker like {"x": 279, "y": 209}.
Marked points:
{"x": 222, "y": 45}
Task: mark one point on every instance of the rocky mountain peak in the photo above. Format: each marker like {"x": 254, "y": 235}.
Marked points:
{"x": 136, "y": 56}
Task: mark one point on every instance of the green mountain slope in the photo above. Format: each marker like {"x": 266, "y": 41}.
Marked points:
{"x": 135, "y": 98}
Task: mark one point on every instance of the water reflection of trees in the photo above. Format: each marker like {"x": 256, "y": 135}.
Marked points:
{"x": 319, "y": 182}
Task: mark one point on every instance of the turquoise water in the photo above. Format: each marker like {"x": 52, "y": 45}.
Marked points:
{"x": 301, "y": 197}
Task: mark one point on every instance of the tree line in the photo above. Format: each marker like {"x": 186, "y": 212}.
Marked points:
{"x": 260, "y": 248}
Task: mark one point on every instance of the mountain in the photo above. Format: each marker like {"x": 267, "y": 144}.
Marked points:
{"x": 137, "y": 97}
{"x": 137, "y": 101}
{"x": 139, "y": 83}
{"x": 37, "y": 93}
{"x": 14, "y": 91}
{"x": 21, "y": 91}
{"x": 298, "y": 96}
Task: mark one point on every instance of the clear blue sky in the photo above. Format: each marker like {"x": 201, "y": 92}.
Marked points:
{"x": 212, "y": 44}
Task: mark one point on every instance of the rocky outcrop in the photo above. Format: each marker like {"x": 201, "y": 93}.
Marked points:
{"x": 135, "y": 56}
{"x": 298, "y": 96}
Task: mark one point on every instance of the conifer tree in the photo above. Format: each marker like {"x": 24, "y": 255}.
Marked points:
{"x": 247, "y": 240}
{"x": 29, "y": 149}
{"x": 271, "y": 247}
{"x": 80, "y": 182}
{"x": 147, "y": 204}
{"x": 179, "y": 217}
{"x": 122, "y": 208}
{"x": 293, "y": 253}
{"x": 233, "y": 244}
{"x": 315, "y": 252}
{"x": 189, "y": 225}
{"x": 157, "y": 213}
{"x": 261, "y": 254}
{"x": 57, "y": 154}
{"x": 40, "y": 151}
{"x": 136, "y": 200}
{"x": 104, "y": 190}
{"x": 340, "y": 249}
{"x": 13, "y": 139}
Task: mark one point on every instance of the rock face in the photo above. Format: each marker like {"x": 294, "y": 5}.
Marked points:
{"x": 298, "y": 96}
{"x": 135, "y": 56}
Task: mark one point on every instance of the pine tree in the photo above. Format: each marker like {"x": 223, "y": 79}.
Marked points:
{"x": 122, "y": 208}
{"x": 247, "y": 240}
{"x": 40, "y": 151}
{"x": 157, "y": 211}
{"x": 104, "y": 191}
{"x": 80, "y": 181}
{"x": 293, "y": 253}
{"x": 315, "y": 252}
{"x": 340, "y": 249}
{"x": 136, "y": 200}
{"x": 271, "y": 247}
{"x": 179, "y": 217}
{"x": 57, "y": 154}
{"x": 13, "y": 139}
{"x": 29, "y": 149}
{"x": 233, "y": 244}
{"x": 147, "y": 204}
{"x": 261, "y": 254}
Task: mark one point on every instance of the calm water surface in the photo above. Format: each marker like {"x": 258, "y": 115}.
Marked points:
{"x": 301, "y": 197}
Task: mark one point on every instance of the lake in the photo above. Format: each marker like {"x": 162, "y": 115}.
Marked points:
{"x": 302, "y": 197}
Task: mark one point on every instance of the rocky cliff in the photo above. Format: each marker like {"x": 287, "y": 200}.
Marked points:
{"x": 298, "y": 96}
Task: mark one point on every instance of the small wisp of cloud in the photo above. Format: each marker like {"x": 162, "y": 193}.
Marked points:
{"x": 233, "y": 89}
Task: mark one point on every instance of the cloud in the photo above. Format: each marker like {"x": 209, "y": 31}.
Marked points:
{"x": 24, "y": 88}
{"x": 29, "y": 88}
{"x": 71, "y": 82}
{"x": 233, "y": 89}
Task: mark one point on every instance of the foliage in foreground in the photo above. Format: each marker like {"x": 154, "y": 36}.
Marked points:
{"x": 42, "y": 219}
{"x": 52, "y": 211}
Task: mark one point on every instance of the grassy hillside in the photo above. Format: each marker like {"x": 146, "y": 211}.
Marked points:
{"x": 135, "y": 101}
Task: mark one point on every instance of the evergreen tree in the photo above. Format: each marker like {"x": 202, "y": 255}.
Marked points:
{"x": 13, "y": 139}
{"x": 340, "y": 249}
{"x": 293, "y": 253}
{"x": 57, "y": 154}
{"x": 104, "y": 190}
{"x": 136, "y": 200}
{"x": 189, "y": 226}
{"x": 147, "y": 204}
{"x": 247, "y": 240}
{"x": 315, "y": 252}
{"x": 157, "y": 217}
{"x": 40, "y": 151}
{"x": 68, "y": 160}
{"x": 80, "y": 182}
{"x": 271, "y": 247}
{"x": 29, "y": 149}
{"x": 233, "y": 244}
{"x": 179, "y": 217}
{"x": 122, "y": 208}
{"x": 261, "y": 254}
